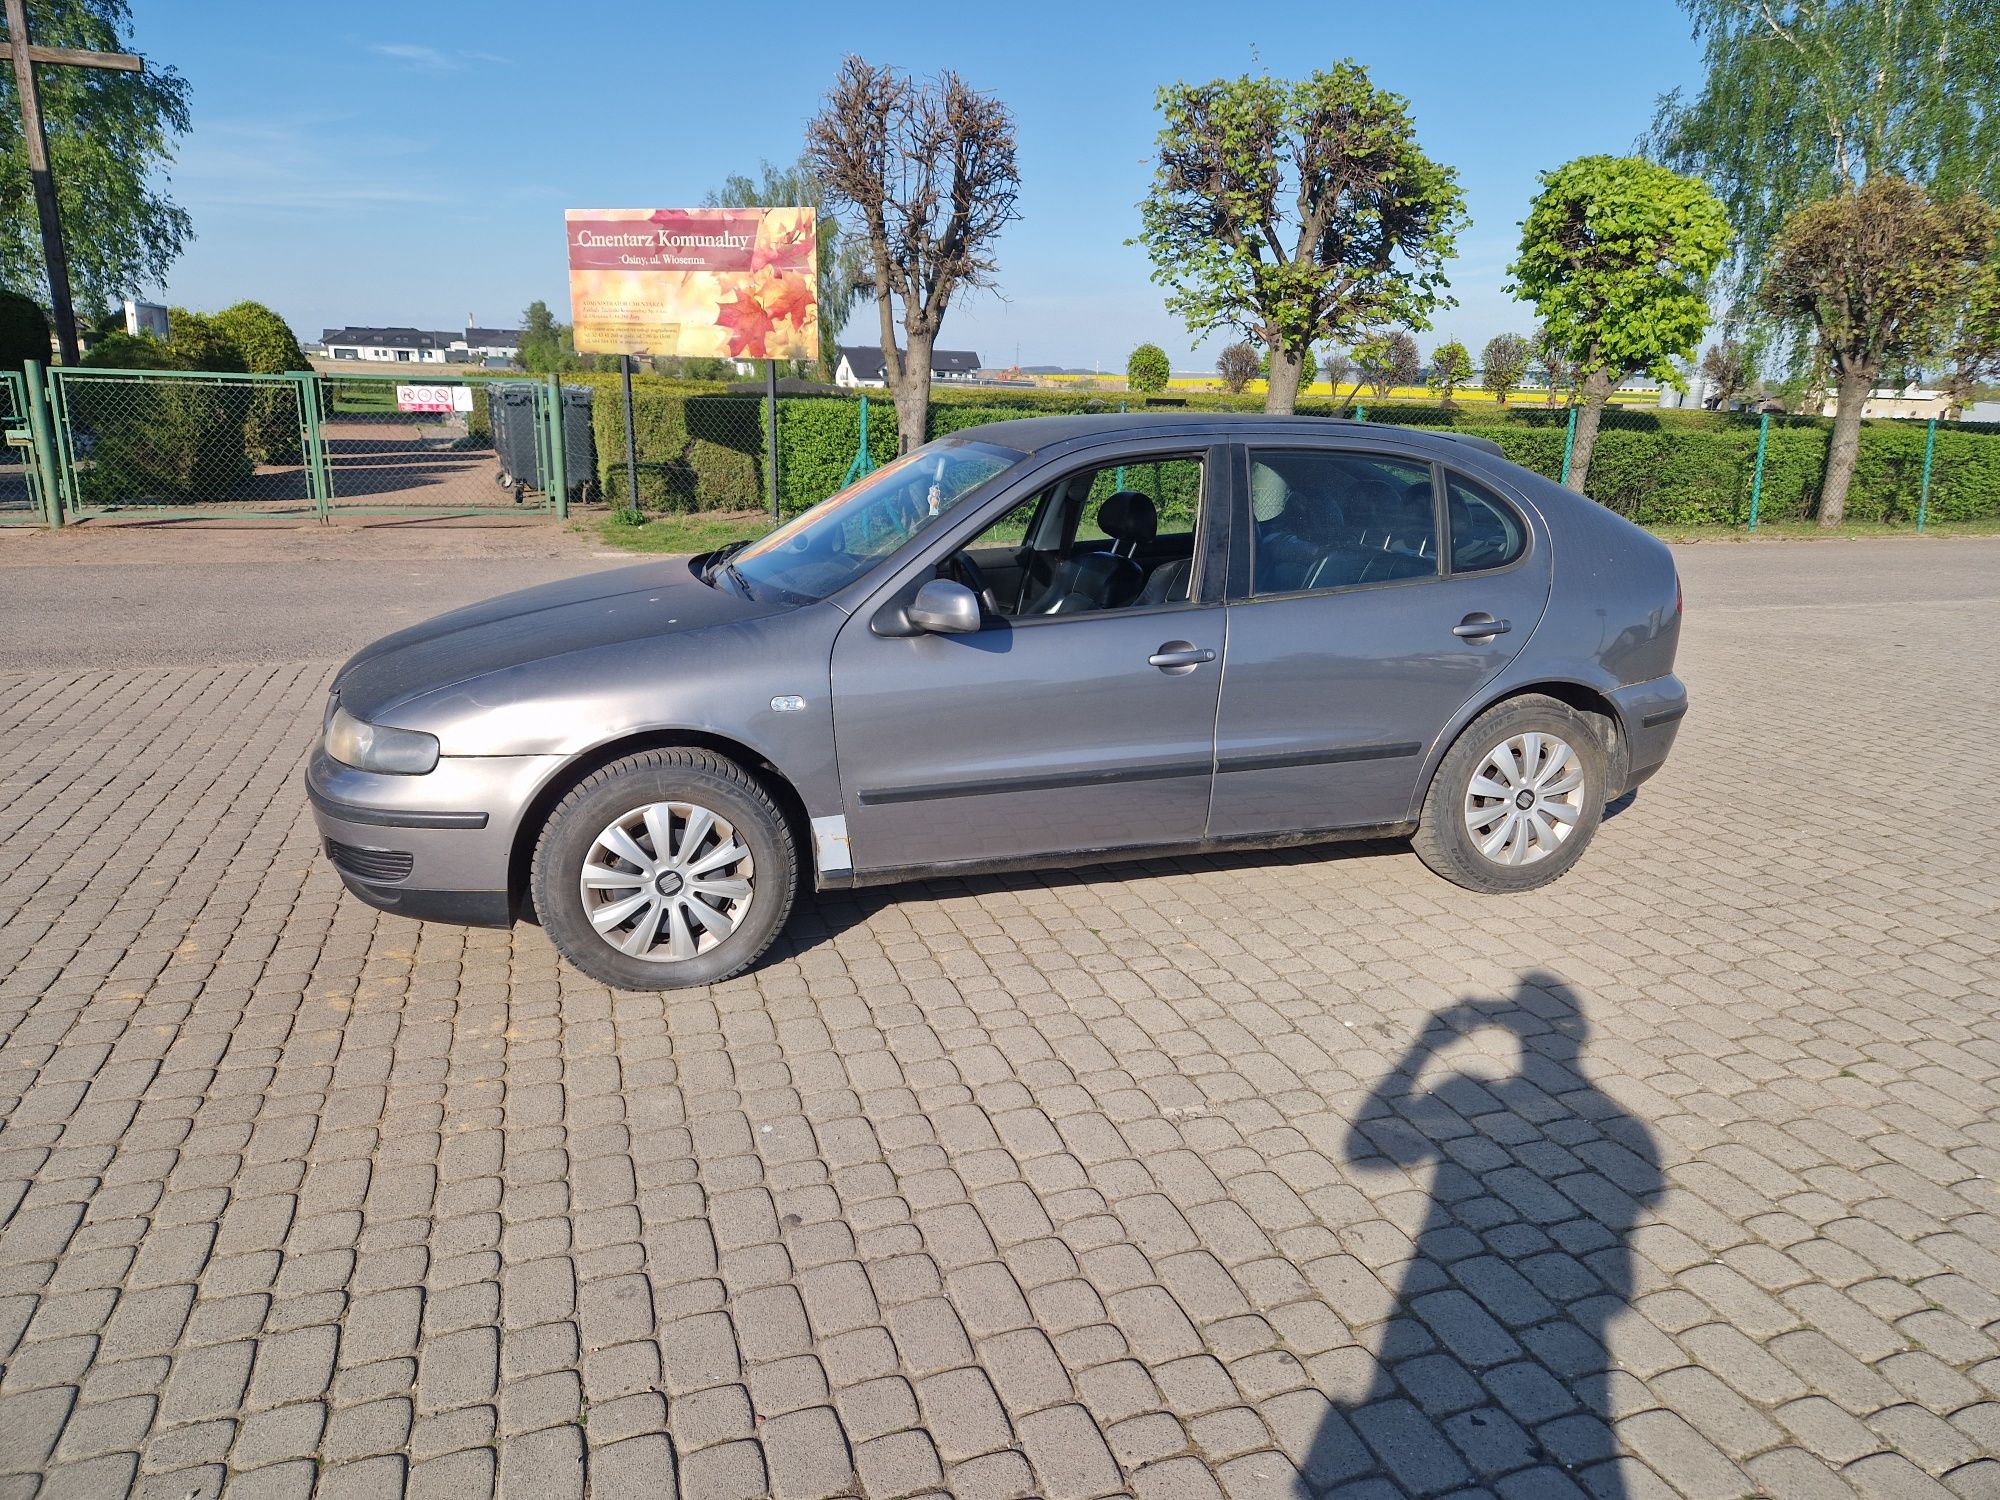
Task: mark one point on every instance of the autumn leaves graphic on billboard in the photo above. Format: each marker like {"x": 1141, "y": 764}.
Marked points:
{"x": 730, "y": 283}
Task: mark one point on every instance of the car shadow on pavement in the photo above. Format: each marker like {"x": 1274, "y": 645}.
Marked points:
{"x": 1493, "y": 1362}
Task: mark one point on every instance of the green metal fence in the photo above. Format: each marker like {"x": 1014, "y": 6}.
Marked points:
{"x": 84, "y": 443}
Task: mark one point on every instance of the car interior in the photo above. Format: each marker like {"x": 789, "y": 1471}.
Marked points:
{"x": 1117, "y": 537}
{"x": 1334, "y": 520}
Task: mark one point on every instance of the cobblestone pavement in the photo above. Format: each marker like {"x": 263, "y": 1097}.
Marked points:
{"x": 1256, "y": 1176}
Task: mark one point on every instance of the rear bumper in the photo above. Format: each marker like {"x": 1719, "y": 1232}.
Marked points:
{"x": 1651, "y": 714}
{"x": 437, "y": 847}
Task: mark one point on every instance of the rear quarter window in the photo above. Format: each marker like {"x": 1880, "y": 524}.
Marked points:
{"x": 1486, "y": 532}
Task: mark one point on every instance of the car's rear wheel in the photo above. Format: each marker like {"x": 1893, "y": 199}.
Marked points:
{"x": 665, "y": 869}
{"x": 1516, "y": 799}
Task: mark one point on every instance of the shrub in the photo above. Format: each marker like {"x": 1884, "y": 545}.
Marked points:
{"x": 24, "y": 331}
{"x": 1147, "y": 370}
{"x": 267, "y": 346}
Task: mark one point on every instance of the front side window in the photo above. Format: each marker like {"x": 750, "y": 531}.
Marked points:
{"x": 828, "y": 547}
{"x": 1486, "y": 532}
{"x": 1110, "y": 537}
{"x": 1329, "y": 520}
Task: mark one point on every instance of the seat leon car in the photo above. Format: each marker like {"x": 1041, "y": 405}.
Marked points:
{"x": 1057, "y": 640}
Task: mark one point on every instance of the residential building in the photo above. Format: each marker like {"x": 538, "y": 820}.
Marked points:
{"x": 1911, "y": 403}
{"x": 862, "y": 365}
{"x": 490, "y": 343}
{"x": 390, "y": 345}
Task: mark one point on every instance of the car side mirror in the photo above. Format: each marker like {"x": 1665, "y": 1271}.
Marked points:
{"x": 943, "y": 607}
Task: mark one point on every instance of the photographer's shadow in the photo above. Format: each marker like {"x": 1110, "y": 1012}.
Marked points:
{"x": 1493, "y": 1361}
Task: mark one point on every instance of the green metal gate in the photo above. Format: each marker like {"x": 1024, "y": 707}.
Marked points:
{"x": 85, "y": 442}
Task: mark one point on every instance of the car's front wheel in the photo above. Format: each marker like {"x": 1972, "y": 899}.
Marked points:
{"x": 1516, "y": 798}
{"x": 665, "y": 869}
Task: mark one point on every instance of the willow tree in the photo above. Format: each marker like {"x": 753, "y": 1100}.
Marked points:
{"x": 1299, "y": 213}
{"x": 1616, "y": 254}
{"x": 1879, "y": 274}
{"x": 1805, "y": 99}
{"x": 927, "y": 170}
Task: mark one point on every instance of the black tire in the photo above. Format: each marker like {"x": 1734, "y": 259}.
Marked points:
{"x": 1443, "y": 841}
{"x": 670, "y": 775}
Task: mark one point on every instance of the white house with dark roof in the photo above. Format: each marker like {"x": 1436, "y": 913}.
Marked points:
{"x": 406, "y": 346}
{"x": 862, "y": 365}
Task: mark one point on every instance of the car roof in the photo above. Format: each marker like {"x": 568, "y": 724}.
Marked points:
{"x": 1039, "y": 435}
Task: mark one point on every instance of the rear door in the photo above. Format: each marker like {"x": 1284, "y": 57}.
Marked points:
{"x": 1356, "y": 635}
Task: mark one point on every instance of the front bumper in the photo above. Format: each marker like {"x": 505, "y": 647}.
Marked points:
{"x": 438, "y": 847}
{"x": 1651, "y": 713}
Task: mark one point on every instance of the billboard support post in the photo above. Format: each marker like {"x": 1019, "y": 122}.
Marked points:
{"x": 631, "y": 439}
{"x": 771, "y": 435}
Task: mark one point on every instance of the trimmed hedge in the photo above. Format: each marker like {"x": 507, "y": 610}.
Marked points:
{"x": 701, "y": 448}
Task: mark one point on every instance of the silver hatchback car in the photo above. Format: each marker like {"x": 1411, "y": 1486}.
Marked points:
{"x": 1054, "y": 640}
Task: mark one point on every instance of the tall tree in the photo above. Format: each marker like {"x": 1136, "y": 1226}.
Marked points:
{"x": 843, "y": 269}
{"x": 1387, "y": 360}
{"x": 1451, "y": 367}
{"x": 1807, "y": 98}
{"x": 1237, "y": 365}
{"x": 111, "y": 140}
{"x": 545, "y": 344}
{"x": 928, "y": 171}
{"x": 1502, "y": 363}
{"x": 1878, "y": 274}
{"x": 1616, "y": 255}
{"x": 1297, "y": 212}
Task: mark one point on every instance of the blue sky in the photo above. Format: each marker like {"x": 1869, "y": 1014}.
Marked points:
{"x": 409, "y": 163}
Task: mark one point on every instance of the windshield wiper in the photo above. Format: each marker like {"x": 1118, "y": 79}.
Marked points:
{"x": 736, "y": 577}
{"x": 718, "y": 559}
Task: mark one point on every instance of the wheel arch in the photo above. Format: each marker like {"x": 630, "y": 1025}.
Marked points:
{"x": 521, "y": 855}
{"x": 1592, "y": 702}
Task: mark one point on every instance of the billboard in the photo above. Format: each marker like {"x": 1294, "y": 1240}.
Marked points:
{"x": 729, "y": 283}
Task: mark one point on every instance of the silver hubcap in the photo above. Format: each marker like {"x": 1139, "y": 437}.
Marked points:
{"x": 667, "y": 882}
{"x": 1525, "y": 799}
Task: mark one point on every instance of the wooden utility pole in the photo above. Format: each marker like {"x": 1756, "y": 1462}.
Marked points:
{"x": 25, "y": 58}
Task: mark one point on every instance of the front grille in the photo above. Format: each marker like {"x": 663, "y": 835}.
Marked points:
{"x": 375, "y": 865}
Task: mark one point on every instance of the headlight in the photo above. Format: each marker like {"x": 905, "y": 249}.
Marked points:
{"x": 377, "y": 747}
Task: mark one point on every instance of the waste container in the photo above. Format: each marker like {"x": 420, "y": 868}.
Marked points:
{"x": 511, "y": 411}
{"x": 513, "y": 408}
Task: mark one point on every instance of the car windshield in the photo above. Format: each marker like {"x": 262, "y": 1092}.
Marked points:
{"x": 841, "y": 538}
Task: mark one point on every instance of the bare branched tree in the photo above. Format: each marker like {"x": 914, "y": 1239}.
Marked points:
{"x": 926, "y": 171}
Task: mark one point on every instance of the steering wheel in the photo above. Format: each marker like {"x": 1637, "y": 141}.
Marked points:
{"x": 970, "y": 575}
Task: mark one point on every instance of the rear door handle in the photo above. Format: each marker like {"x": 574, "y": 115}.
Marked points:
{"x": 1180, "y": 657}
{"x": 1477, "y": 627}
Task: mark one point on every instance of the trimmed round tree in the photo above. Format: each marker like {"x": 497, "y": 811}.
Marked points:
{"x": 1502, "y": 364}
{"x": 1147, "y": 370}
{"x": 1451, "y": 367}
{"x": 1616, "y": 254}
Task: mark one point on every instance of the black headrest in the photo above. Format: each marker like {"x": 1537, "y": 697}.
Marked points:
{"x": 1129, "y": 516}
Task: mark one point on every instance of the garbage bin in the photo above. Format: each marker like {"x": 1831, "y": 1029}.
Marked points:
{"x": 579, "y": 443}
{"x": 511, "y": 408}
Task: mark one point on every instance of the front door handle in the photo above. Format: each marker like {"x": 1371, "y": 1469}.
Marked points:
{"x": 1479, "y": 626}
{"x": 1179, "y": 657}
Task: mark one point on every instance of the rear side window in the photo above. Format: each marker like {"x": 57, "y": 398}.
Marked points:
{"x": 1486, "y": 532}
{"x": 1326, "y": 520}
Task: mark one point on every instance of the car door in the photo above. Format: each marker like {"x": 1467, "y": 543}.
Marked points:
{"x": 1354, "y": 636}
{"x": 1037, "y": 735}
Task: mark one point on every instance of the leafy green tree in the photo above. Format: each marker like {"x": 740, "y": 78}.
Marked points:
{"x": 1387, "y": 360}
{"x": 1877, "y": 274}
{"x": 1807, "y": 98}
{"x": 1237, "y": 365}
{"x": 1147, "y": 369}
{"x": 111, "y": 140}
{"x": 24, "y": 331}
{"x": 549, "y": 347}
{"x": 843, "y": 270}
{"x": 1502, "y": 363}
{"x": 1451, "y": 367}
{"x": 1297, "y": 212}
{"x": 1616, "y": 254}
{"x": 1972, "y": 352}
